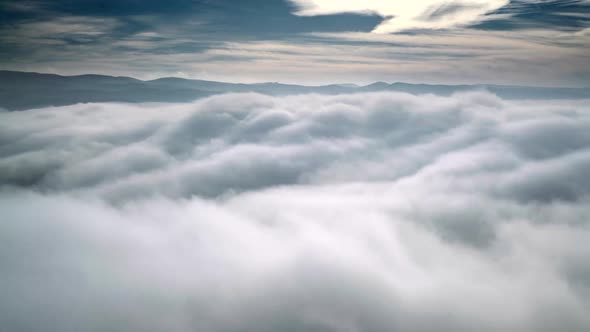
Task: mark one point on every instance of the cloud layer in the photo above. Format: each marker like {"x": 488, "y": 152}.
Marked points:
{"x": 244, "y": 212}
{"x": 401, "y": 15}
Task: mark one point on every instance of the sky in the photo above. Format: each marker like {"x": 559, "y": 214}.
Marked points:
{"x": 533, "y": 42}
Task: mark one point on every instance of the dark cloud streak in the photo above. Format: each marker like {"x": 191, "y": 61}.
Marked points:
{"x": 567, "y": 15}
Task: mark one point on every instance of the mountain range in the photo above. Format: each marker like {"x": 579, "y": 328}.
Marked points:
{"x": 26, "y": 90}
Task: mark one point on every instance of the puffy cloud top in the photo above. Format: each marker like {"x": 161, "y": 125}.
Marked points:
{"x": 244, "y": 212}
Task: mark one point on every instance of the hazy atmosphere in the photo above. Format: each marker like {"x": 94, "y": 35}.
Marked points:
{"x": 530, "y": 42}
{"x": 295, "y": 165}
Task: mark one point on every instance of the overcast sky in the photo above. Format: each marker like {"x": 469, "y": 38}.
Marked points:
{"x": 304, "y": 41}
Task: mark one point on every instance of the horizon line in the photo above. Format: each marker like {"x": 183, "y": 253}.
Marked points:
{"x": 352, "y": 85}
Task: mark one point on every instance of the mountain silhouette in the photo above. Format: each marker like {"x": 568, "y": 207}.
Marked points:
{"x": 26, "y": 90}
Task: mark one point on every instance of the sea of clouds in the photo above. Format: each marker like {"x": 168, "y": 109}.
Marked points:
{"x": 245, "y": 212}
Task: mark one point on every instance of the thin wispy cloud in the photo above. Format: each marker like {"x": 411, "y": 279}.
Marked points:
{"x": 194, "y": 38}
{"x": 403, "y": 15}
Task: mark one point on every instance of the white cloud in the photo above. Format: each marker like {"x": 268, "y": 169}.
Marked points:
{"x": 71, "y": 25}
{"x": 403, "y": 15}
{"x": 244, "y": 212}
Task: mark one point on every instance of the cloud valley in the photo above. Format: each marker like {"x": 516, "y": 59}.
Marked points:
{"x": 245, "y": 212}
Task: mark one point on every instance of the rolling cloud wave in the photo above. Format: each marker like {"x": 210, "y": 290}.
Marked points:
{"x": 244, "y": 212}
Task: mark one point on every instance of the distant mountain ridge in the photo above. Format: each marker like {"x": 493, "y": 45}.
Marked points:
{"x": 26, "y": 90}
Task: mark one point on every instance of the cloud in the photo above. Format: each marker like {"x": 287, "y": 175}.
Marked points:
{"x": 315, "y": 55}
{"x": 402, "y": 15}
{"x": 245, "y": 212}
{"x": 546, "y": 42}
